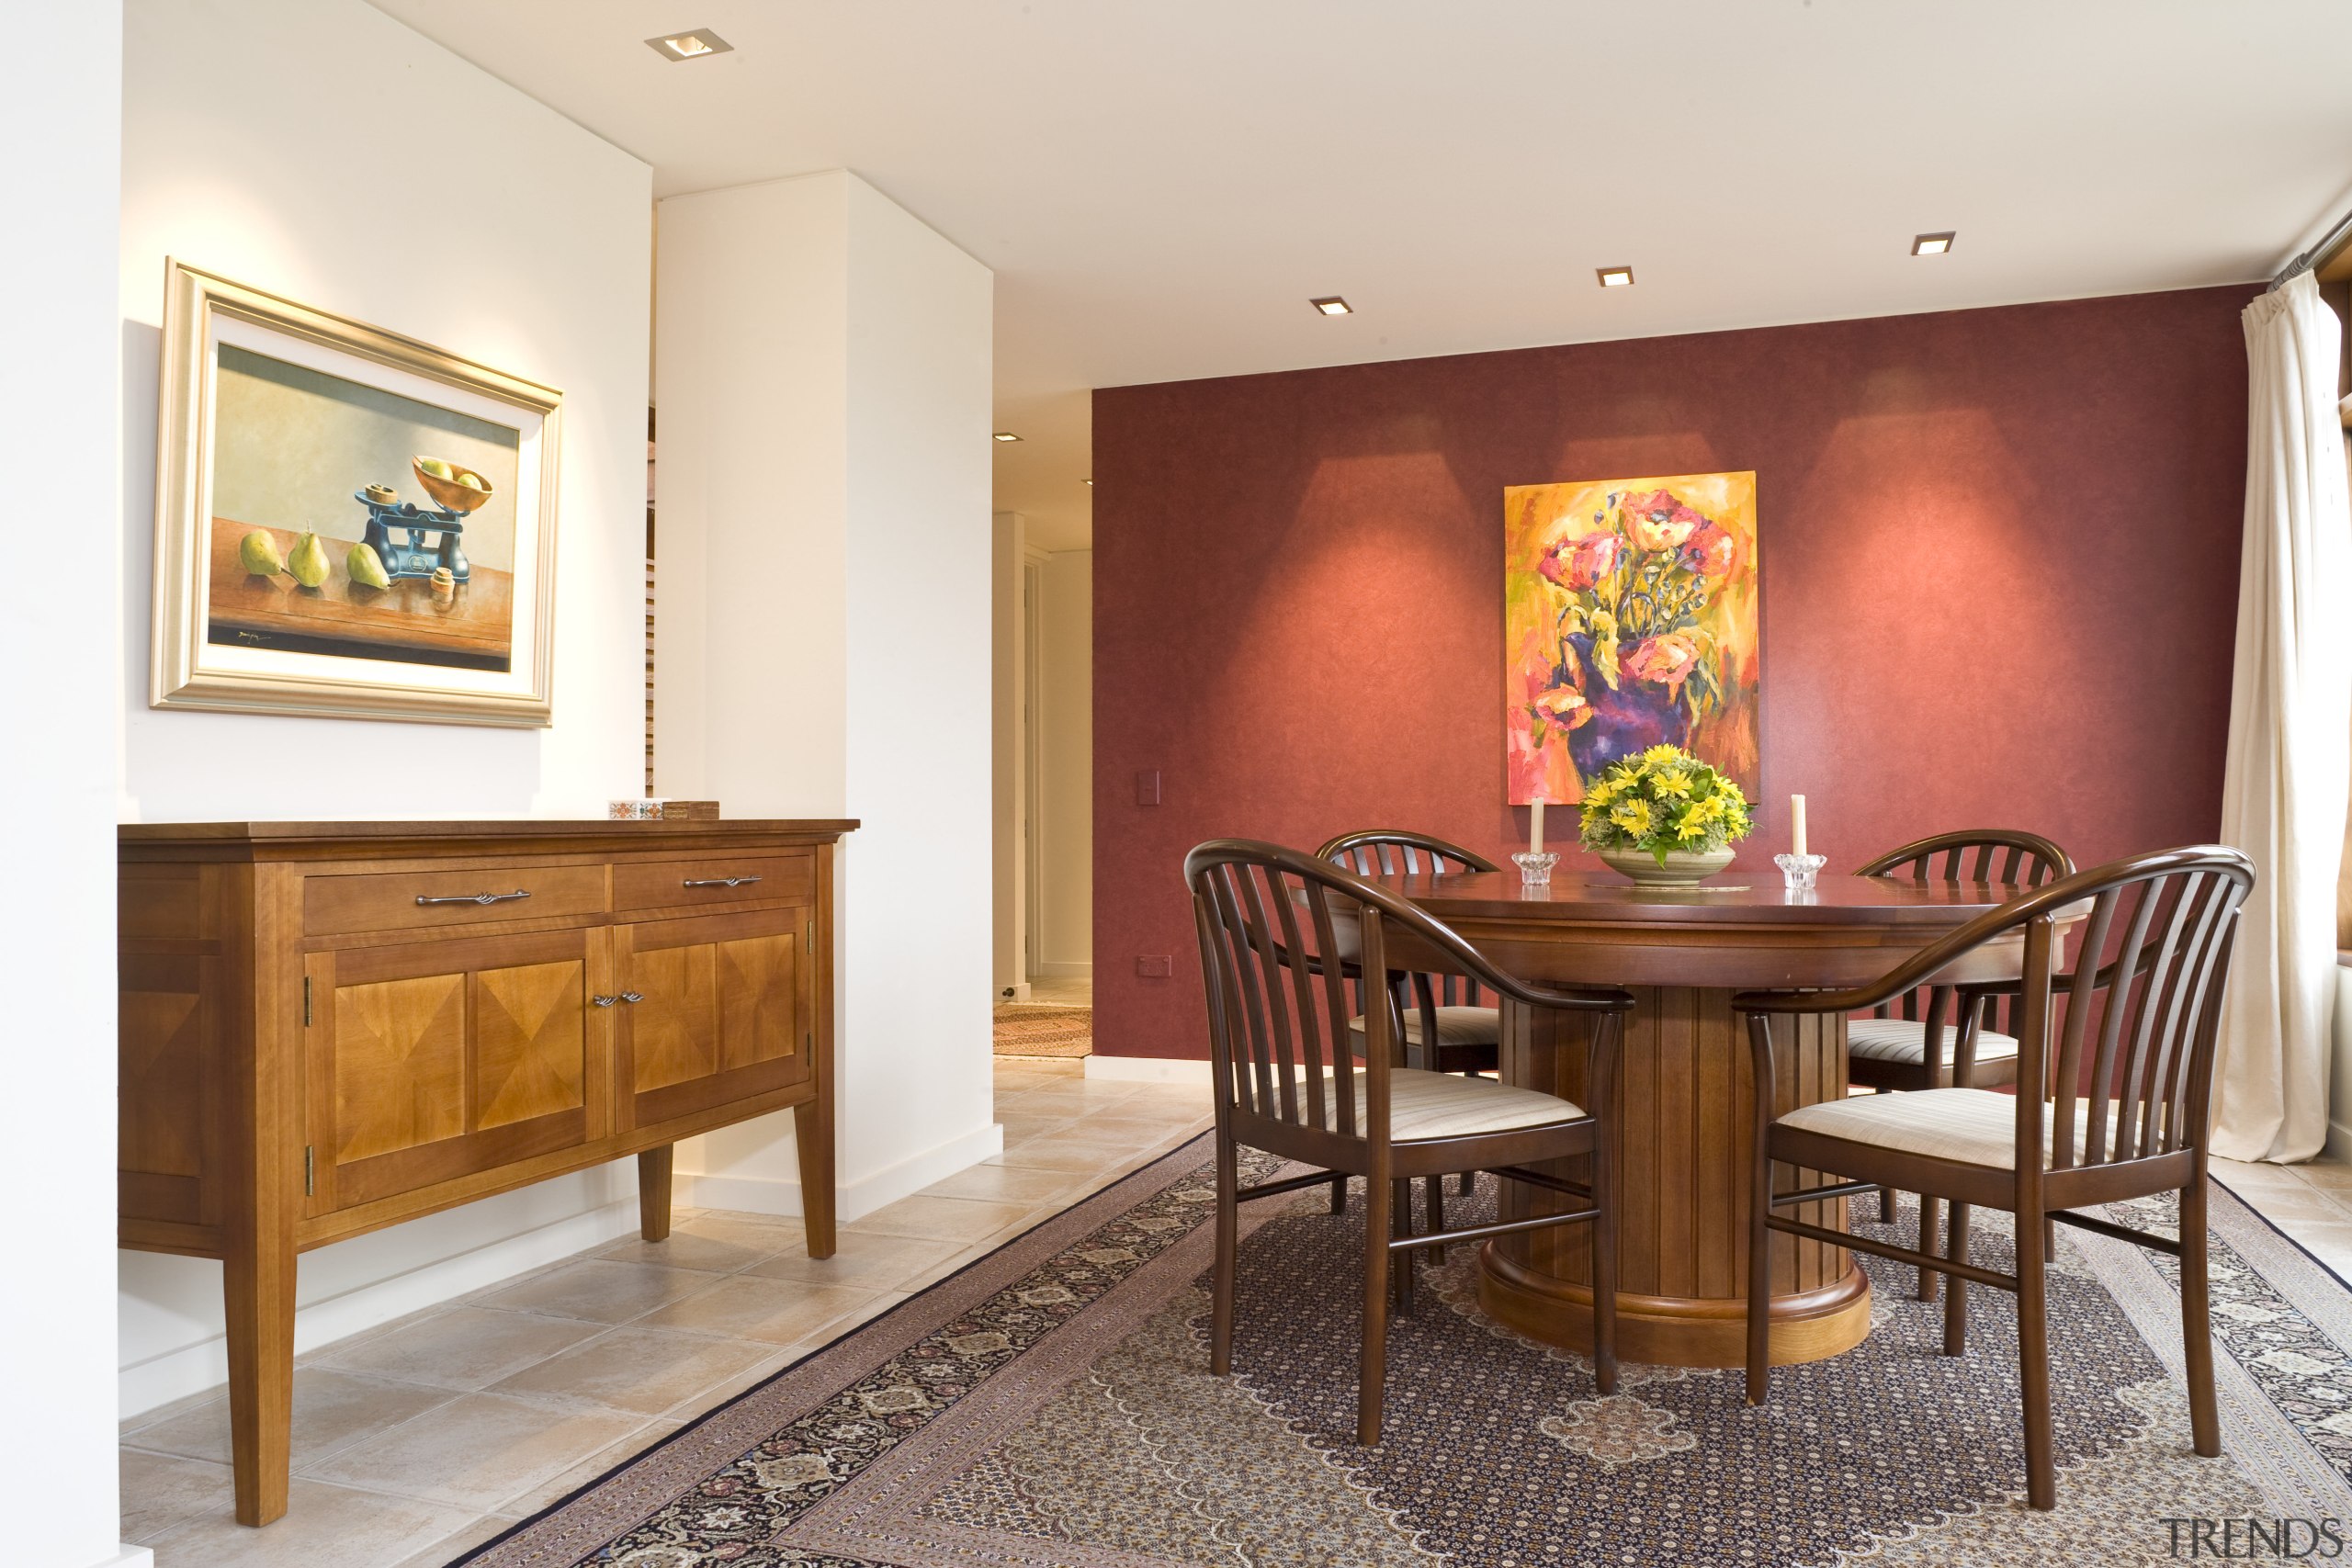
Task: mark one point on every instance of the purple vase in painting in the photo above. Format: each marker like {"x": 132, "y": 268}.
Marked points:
{"x": 1627, "y": 719}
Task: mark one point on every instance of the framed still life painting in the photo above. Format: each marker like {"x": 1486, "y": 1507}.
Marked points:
{"x": 348, "y": 522}
{"x": 1630, "y": 621}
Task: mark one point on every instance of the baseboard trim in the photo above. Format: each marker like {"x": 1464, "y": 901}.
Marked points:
{"x": 127, "y": 1557}
{"x": 852, "y": 1200}
{"x": 204, "y": 1366}
{"x": 2340, "y": 1142}
{"x": 1147, "y": 1069}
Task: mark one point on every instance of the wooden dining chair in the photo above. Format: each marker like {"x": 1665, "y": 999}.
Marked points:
{"x": 1900, "y": 1045}
{"x": 1451, "y": 1010}
{"x": 1287, "y": 1081}
{"x": 2114, "y": 1089}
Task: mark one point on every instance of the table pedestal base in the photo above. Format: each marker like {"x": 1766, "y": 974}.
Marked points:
{"x": 1675, "y": 1331}
{"x": 1682, "y": 1123}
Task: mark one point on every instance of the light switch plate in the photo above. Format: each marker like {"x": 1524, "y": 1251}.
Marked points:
{"x": 1148, "y": 788}
{"x": 1155, "y": 968}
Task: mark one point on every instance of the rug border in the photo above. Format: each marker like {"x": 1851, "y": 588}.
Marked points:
{"x": 871, "y": 1326}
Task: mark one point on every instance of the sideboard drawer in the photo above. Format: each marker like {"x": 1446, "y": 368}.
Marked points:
{"x": 714, "y": 881}
{"x": 406, "y": 900}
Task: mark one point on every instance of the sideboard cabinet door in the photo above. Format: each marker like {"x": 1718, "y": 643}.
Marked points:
{"x": 715, "y": 1009}
{"x": 436, "y": 1060}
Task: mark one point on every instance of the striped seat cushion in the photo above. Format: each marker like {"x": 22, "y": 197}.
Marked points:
{"x": 1906, "y": 1039}
{"x": 1455, "y": 1026}
{"x": 1974, "y": 1126}
{"x": 1444, "y": 1105}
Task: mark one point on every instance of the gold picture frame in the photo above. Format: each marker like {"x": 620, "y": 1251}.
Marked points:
{"x": 349, "y": 523}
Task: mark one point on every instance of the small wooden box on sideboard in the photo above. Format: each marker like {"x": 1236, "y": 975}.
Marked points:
{"x": 331, "y": 1027}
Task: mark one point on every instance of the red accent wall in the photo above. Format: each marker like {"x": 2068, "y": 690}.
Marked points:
{"x": 1999, "y": 552}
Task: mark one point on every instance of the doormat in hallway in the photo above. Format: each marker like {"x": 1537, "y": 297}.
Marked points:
{"x": 1028, "y": 1028}
{"x": 1049, "y": 1407}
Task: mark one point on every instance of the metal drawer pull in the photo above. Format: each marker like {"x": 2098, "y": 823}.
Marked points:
{"x": 479, "y": 897}
{"x": 632, "y": 995}
{"x": 720, "y": 882}
{"x": 603, "y": 1001}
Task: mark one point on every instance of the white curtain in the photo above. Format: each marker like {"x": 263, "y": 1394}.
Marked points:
{"x": 2290, "y": 710}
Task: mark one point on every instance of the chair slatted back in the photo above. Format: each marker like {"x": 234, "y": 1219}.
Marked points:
{"x": 1986, "y": 856}
{"x": 1399, "y": 852}
{"x": 1277, "y": 995}
{"x": 1269, "y": 920}
{"x": 2116, "y": 1054}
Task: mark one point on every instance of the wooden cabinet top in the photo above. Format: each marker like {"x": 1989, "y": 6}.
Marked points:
{"x": 239, "y": 841}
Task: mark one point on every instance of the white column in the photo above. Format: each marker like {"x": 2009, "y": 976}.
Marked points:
{"x": 60, "y": 404}
{"x": 823, "y": 385}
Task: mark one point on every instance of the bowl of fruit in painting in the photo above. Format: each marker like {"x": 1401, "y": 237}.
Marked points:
{"x": 452, "y": 485}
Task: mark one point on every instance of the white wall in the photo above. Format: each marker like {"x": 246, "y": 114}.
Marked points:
{"x": 1065, "y": 721}
{"x": 1007, "y": 774}
{"x": 59, "y": 408}
{"x": 824, "y": 392}
{"x": 248, "y": 149}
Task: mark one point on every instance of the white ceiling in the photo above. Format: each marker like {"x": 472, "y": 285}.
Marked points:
{"x": 1161, "y": 186}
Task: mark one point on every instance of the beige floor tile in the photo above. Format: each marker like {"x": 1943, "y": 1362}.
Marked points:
{"x": 161, "y": 1490}
{"x": 2328, "y": 1175}
{"x": 687, "y": 1249}
{"x": 1019, "y": 1128}
{"x": 764, "y": 1233}
{"x": 323, "y": 1525}
{"x": 1009, "y": 1184}
{"x": 476, "y": 1450}
{"x": 1069, "y": 1156}
{"x": 2302, "y": 1204}
{"x": 2330, "y": 1243}
{"x": 860, "y": 1259}
{"x": 1069, "y": 1100}
{"x": 778, "y": 1311}
{"x": 463, "y": 1348}
{"x": 166, "y": 1411}
{"x": 595, "y": 1467}
{"x": 447, "y": 1549}
{"x": 333, "y": 1409}
{"x": 941, "y": 1219}
{"x": 638, "y": 1370}
{"x": 602, "y": 1292}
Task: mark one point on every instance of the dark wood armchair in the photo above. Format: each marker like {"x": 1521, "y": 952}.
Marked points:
{"x": 1286, "y": 1080}
{"x": 1901, "y": 1046}
{"x": 2113, "y": 1102}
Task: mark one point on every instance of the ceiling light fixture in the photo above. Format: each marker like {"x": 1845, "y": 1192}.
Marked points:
{"x": 1006, "y": 435}
{"x": 694, "y": 45}
{"x": 1332, "y": 306}
{"x": 1089, "y": 484}
{"x": 1614, "y": 276}
{"x": 1933, "y": 244}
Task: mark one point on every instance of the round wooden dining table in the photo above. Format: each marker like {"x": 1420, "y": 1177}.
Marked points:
{"x": 1685, "y": 1087}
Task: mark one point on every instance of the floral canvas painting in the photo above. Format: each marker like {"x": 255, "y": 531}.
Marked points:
{"x": 1630, "y": 621}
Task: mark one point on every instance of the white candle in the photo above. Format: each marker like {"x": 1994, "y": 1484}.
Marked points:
{"x": 1535, "y": 826}
{"x": 1796, "y": 824}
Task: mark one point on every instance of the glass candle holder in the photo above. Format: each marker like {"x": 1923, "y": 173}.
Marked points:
{"x": 1800, "y": 871}
{"x": 1535, "y": 870}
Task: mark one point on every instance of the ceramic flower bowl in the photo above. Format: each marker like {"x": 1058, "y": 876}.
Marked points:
{"x": 448, "y": 492}
{"x": 1684, "y": 868}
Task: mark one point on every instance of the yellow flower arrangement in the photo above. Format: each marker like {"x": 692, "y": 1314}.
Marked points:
{"x": 1664, "y": 799}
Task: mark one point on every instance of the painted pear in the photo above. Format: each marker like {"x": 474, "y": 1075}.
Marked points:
{"x": 308, "y": 561}
{"x": 434, "y": 465}
{"x": 473, "y": 481}
{"x": 364, "y": 567}
{"x": 259, "y": 554}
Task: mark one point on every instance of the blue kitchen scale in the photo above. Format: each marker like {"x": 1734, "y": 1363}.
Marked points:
{"x": 410, "y": 523}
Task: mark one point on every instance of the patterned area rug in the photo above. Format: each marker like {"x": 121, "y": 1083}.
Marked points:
{"x": 1049, "y": 1407}
{"x": 1026, "y": 1029}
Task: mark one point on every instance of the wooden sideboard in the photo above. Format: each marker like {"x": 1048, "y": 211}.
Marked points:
{"x": 332, "y": 1027}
